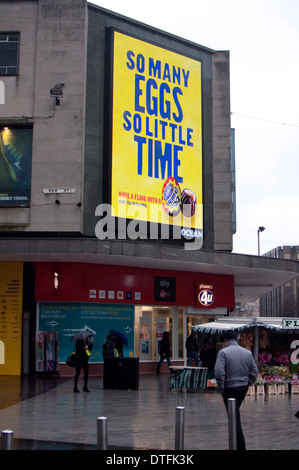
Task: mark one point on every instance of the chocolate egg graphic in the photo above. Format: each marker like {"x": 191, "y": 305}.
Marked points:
{"x": 188, "y": 202}
{"x": 171, "y": 196}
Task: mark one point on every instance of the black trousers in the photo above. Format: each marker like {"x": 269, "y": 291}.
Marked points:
{"x": 239, "y": 393}
{"x": 78, "y": 370}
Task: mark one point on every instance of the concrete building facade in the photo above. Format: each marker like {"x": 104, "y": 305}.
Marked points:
{"x": 284, "y": 300}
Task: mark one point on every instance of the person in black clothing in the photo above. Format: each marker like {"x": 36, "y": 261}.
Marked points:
{"x": 82, "y": 356}
{"x": 164, "y": 351}
{"x": 192, "y": 349}
{"x": 119, "y": 346}
{"x": 208, "y": 358}
{"x": 108, "y": 347}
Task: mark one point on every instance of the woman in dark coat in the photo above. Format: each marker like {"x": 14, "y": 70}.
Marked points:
{"x": 82, "y": 355}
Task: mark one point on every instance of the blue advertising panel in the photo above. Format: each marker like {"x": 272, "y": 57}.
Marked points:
{"x": 70, "y": 318}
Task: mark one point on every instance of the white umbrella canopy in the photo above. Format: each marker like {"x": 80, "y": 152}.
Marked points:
{"x": 236, "y": 323}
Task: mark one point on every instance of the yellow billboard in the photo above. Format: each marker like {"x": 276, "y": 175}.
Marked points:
{"x": 11, "y": 300}
{"x": 156, "y": 134}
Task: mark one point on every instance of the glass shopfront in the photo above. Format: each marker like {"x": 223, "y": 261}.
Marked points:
{"x": 152, "y": 321}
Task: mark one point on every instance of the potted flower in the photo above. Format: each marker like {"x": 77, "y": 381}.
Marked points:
{"x": 280, "y": 385}
{"x": 295, "y": 384}
{"x": 260, "y": 385}
{"x": 271, "y": 386}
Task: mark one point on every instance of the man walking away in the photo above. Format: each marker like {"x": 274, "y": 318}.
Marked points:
{"x": 235, "y": 370}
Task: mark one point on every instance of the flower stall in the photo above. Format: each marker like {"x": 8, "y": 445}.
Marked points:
{"x": 270, "y": 342}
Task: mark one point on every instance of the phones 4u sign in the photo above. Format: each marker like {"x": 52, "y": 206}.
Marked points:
{"x": 205, "y": 296}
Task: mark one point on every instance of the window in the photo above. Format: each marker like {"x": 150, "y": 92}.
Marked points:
{"x": 9, "y": 52}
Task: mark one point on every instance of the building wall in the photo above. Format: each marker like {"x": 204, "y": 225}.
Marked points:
{"x": 66, "y": 42}
{"x": 284, "y": 301}
{"x": 222, "y": 168}
{"x": 52, "y": 50}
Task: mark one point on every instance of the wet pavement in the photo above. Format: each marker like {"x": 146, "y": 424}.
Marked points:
{"x": 45, "y": 414}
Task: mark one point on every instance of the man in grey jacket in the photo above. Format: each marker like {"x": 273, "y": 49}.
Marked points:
{"x": 235, "y": 370}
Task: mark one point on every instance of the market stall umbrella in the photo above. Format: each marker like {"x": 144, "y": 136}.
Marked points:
{"x": 222, "y": 324}
{"x": 81, "y": 335}
{"x": 120, "y": 335}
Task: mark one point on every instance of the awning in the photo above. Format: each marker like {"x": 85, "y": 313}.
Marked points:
{"x": 238, "y": 324}
{"x": 254, "y": 276}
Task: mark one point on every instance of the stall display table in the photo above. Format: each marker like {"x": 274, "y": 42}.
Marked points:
{"x": 184, "y": 377}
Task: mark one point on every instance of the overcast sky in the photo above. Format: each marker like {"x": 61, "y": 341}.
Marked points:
{"x": 263, "y": 39}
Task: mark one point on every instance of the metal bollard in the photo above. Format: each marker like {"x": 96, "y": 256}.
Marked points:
{"x": 6, "y": 439}
{"x": 232, "y": 424}
{"x": 179, "y": 428}
{"x": 102, "y": 433}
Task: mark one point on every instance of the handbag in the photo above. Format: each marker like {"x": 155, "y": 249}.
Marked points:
{"x": 72, "y": 360}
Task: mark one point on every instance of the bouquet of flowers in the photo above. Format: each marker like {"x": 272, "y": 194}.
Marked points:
{"x": 295, "y": 380}
{"x": 260, "y": 380}
{"x": 281, "y": 358}
{"x": 264, "y": 357}
{"x": 271, "y": 381}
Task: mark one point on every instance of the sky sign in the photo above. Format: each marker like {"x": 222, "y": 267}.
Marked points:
{"x": 156, "y": 135}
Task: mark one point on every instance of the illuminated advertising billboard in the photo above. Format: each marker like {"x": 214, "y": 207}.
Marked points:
{"x": 156, "y": 169}
{"x": 15, "y": 166}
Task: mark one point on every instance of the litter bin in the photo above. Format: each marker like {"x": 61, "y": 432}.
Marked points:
{"x": 121, "y": 373}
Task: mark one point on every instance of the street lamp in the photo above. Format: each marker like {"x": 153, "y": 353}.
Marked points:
{"x": 260, "y": 229}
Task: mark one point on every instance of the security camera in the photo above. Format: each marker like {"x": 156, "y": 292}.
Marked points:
{"x": 57, "y": 93}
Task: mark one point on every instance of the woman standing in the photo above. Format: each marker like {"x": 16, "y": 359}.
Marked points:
{"x": 83, "y": 348}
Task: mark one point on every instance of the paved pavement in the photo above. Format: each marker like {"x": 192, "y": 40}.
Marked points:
{"x": 45, "y": 414}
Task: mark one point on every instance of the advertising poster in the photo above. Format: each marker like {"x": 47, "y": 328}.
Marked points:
{"x": 156, "y": 135}
{"x": 70, "y": 318}
{"x": 15, "y": 166}
{"x": 145, "y": 338}
{"x": 11, "y": 295}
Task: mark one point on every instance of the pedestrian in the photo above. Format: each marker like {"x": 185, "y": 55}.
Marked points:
{"x": 164, "y": 351}
{"x": 192, "y": 349}
{"x": 208, "y": 359}
{"x": 108, "y": 347}
{"x": 82, "y": 348}
{"x": 119, "y": 346}
{"x": 235, "y": 370}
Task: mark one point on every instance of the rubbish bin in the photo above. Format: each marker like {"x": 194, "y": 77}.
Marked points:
{"x": 121, "y": 373}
